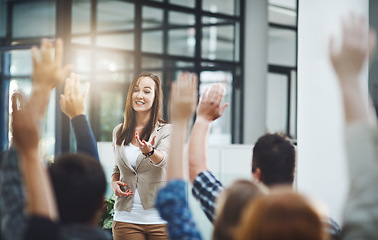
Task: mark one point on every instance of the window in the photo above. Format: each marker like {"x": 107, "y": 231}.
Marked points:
{"x": 111, "y": 41}
{"x": 282, "y": 67}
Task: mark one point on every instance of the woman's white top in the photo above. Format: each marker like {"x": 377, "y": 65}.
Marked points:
{"x": 137, "y": 215}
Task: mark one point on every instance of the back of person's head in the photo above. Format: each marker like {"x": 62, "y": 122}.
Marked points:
{"x": 79, "y": 183}
{"x": 274, "y": 159}
{"x": 283, "y": 215}
{"x": 231, "y": 204}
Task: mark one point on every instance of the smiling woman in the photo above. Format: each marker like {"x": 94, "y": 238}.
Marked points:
{"x": 141, "y": 145}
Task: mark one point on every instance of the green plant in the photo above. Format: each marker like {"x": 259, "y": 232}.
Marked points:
{"x": 106, "y": 219}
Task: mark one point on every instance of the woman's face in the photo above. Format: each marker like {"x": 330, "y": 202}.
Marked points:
{"x": 143, "y": 94}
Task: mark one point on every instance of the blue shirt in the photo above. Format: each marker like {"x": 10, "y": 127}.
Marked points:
{"x": 171, "y": 202}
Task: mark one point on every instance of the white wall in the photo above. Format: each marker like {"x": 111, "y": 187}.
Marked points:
{"x": 321, "y": 152}
{"x": 255, "y": 70}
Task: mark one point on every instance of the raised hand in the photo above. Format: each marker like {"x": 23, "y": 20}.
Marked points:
{"x": 116, "y": 188}
{"x": 48, "y": 72}
{"x": 184, "y": 97}
{"x": 209, "y": 107}
{"x": 25, "y": 131}
{"x": 358, "y": 43}
{"x": 72, "y": 102}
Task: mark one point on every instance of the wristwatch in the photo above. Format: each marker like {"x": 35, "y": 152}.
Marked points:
{"x": 149, "y": 154}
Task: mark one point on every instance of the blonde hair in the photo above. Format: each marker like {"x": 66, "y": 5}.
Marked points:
{"x": 282, "y": 215}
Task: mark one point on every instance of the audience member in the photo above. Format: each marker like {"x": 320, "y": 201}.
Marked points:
{"x": 361, "y": 211}
{"x": 171, "y": 200}
{"x": 74, "y": 224}
{"x": 273, "y": 162}
{"x": 281, "y": 215}
{"x": 47, "y": 74}
{"x": 231, "y": 204}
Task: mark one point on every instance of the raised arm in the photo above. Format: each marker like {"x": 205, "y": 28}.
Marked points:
{"x": 361, "y": 208}
{"x": 72, "y": 103}
{"x": 208, "y": 110}
{"x": 183, "y": 103}
{"x": 48, "y": 73}
{"x": 358, "y": 43}
{"x": 40, "y": 195}
{"x": 171, "y": 200}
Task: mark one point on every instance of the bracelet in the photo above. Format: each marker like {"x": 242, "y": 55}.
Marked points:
{"x": 149, "y": 154}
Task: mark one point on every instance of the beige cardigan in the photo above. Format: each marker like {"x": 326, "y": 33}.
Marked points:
{"x": 149, "y": 177}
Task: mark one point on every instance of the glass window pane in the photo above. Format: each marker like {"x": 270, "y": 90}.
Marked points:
{"x": 114, "y": 15}
{"x": 179, "y": 64}
{"x": 152, "y": 17}
{"x": 33, "y": 19}
{"x": 152, "y": 41}
{"x": 220, "y": 132}
{"x": 214, "y": 20}
{"x": 20, "y": 63}
{"x": 113, "y": 62}
{"x": 111, "y": 113}
{"x": 120, "y": 41}
{"x": 148, "y": 62}
{"x": 225, "y": 6}
{"x": 3, "y": 18}
{"x": 185, "y": 3}
{"x": 82, "y": 60}
{"x": 282, "y": 47}
{"x": 276, "y": 103}
{"x": 218, "y": 42}
{"x": 114, "y": 77}
{"x": 289, "y": 4}
{"x": 81, "y": 16}
{"x": 47, "y": 143}
{"x": 180, "y": 19}
{"x": 282, "y": 15}
{"x": 181, "y": 42}
{"x": 81, "y": 40}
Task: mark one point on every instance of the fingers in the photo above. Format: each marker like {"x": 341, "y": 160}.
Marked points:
{"x": 58, "y": 57}
{"x": 76, "y": 85}
{"x": 66, "y": 70}
{"x": 223, "y": 108}
{"x": 34, "y": 52}
{"x": 153, "y": 140}
{"x": 62, "y": 102}
{"x": 46, "y": 47}
{"x": 138, "y": 139}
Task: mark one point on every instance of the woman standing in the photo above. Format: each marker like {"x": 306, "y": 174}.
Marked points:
{"x": 141, "y": 145}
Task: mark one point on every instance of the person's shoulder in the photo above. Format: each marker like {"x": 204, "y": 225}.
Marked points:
{"x": 164, "y": 127}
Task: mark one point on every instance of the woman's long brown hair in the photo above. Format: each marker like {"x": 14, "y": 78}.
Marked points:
{"x": 126, "y": 132}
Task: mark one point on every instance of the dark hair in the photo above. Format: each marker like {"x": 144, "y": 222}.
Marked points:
{"x": 126, "y": 132}
{"x": 281, "y": 216}
{"x": 79, "y": 183}
{"x": 274, "y": 154}
{"x": 234, "y": 200}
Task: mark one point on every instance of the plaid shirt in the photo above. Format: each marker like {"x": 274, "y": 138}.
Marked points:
{"x": 206, "y": 189}
{"x": 13, "y": 220}
{"x": 171, "y": 202}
